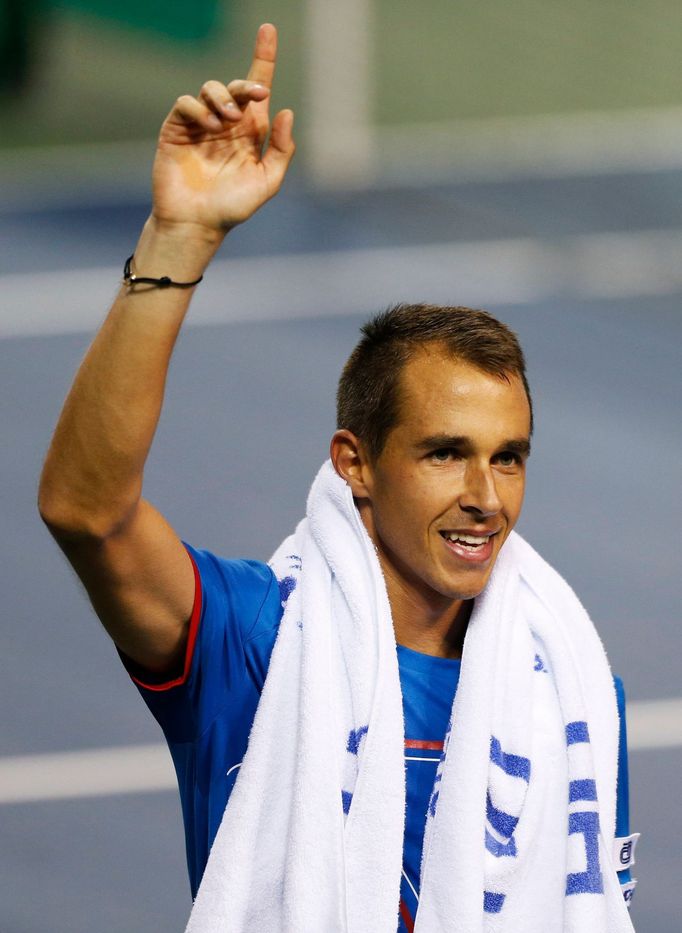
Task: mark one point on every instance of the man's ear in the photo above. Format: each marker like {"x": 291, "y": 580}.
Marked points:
{"x": 350, "y": 461}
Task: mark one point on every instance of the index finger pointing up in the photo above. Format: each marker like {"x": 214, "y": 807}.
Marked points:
{"x": 264, "y": 55}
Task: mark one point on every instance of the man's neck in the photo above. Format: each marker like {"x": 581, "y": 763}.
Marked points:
{"x": 438, "y": 631}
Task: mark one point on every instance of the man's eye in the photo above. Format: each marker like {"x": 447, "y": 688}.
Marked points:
{"x": 507, "y": 459}
{"x": 443, "y": 454}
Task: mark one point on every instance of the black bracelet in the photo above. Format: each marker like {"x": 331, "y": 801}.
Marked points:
{"x": 164, "y": 282}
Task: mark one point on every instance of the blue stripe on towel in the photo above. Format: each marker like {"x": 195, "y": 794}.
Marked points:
{"x": 577, "y": 732}
{"x": 503, "y": 823}
{"x": 539, "y": 664}
{"x": 582, "y": 790}
{"x": 287, "y": 585}
{"x": 515, "y": 765}
{"x": 354, "y": 739}
{"x": 589, "y": 881}
{"x": 346, "y": 798}
{"x": 500, "y": 849}
{"x": 492, "y": 903}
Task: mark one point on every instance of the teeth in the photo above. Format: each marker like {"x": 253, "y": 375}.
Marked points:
{"x": 466, "y": 539}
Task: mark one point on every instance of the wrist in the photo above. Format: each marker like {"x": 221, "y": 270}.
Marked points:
{"x": 188, "y": 232}
{"x": 181, "y": 251}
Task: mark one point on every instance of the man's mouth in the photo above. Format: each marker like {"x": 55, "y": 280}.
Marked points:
{"x": 469, "y": 540}
{"x": 476, "y": 548}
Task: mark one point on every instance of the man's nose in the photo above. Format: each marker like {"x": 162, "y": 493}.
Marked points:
{"x": 480, "y": 490}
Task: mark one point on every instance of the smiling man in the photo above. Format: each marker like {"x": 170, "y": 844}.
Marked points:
{"x": 435, "y": 420}
{"x": 406, "y": 720}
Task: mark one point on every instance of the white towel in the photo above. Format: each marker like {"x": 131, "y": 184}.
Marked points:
{"x": 311, "y": 840}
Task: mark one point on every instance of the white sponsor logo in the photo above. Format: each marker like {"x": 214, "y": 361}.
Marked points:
{"x": 628, "y": 890}
{"x": 624, "y": 851}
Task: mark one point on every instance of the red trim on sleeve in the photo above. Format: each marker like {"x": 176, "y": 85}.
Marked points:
{"x": 424, "y": 744}
{"x": 407, "y": 919}
{"x": 191, "y": 639}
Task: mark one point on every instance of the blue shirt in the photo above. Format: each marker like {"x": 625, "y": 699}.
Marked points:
{"x": 206, "y": 713}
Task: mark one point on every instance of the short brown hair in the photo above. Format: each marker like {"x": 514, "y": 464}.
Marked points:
{"x": 367, "y": 401}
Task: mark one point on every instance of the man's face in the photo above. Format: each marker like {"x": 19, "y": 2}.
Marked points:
{"x": 448, "y": 486}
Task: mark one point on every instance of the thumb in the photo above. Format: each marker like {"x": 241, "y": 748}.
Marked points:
{"x": 281, "y": 146}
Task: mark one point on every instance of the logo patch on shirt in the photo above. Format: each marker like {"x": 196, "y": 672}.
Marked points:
{"x": 628, "y": 890}
{"x": 624, "y": 851}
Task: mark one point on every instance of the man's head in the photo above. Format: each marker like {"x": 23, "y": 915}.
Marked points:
{"x": 368, "y": 397}
{"x": 434, "y": 424}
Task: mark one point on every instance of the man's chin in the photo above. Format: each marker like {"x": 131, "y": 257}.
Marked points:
{"x": 470, "y": 589}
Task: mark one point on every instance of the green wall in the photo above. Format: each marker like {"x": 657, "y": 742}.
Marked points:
{"x": 178, "y": 19}
{"x": 96, "y": 78}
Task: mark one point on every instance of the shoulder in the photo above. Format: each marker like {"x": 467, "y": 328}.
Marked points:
{"x": 239, "y": 590}
{"x": 225, "y": 662}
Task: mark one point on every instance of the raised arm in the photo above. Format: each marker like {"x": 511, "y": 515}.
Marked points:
{"x": 214, "y": 167}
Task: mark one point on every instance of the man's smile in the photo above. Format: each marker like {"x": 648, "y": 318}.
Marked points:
{"x": 470, "y": 546}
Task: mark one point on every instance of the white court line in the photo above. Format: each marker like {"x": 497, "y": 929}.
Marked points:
{"x": 654, "y": 724}
{"x": 282, "y": 287}
{"x": 134, "y": 769}
{"x": 351, "y": 154}
{"x": 97, "y": 772}
{"x": 494, "y": 149}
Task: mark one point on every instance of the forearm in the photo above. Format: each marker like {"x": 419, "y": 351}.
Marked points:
{"x": 92, "y": 477}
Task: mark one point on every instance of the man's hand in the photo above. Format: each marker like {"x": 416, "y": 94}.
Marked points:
{"x": 211, "y": 171}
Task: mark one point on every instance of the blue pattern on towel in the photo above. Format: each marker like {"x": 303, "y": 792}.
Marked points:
{"x": 286, "y": 587}
{"x": 433, "y": 800}
{"x": 577, "y": 732}
{"x": 515, "y": 765}
{"x": 585, "y": 822}
{"x": 500, "y": 849}
{"x": 540, "y": 665}
{"x": 585, "y": 789}
{"x": 287, "y": 584}
{"x": 499, "y": 834}
{"x": 589, "y": 881}
{"x": 353, "y": 745}
{"x": 492, "y": 902}
{"x": 504, "y": 823}
{"x": 355, "y": 737}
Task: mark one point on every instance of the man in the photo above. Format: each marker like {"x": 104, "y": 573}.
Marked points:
{"x": 302, "y": 685}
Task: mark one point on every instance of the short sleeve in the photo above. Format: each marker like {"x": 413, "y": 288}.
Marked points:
{"x": 233, "y": 598}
